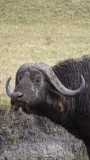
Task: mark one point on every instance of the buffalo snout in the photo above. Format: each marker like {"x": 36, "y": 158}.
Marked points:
{"x": 16, "y": 96}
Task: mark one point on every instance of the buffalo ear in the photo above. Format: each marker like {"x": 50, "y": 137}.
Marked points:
{"x": 54, "y": 102}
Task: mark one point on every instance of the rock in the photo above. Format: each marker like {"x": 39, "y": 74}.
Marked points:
{"x": 37, "y": 138}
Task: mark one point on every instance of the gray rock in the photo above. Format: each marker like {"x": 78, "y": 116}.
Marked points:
{"x": 38, "y": 139}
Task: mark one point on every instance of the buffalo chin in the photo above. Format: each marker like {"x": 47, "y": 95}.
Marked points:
{"x": 15, "y": 105}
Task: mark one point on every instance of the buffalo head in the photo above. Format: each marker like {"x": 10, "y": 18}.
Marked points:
{"x": 33, "y": 82}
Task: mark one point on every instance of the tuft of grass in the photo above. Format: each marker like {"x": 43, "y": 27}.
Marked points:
{"x": 14, "y": 138}
{"x": 48, "y": 31}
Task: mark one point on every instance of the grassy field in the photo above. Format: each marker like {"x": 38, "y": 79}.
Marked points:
{"x": 43, "y": 30}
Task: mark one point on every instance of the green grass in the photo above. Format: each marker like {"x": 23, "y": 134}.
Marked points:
{"x": 43, "y": 30}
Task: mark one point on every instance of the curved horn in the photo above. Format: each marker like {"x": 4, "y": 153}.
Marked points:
{"x": 9, "y": 93}
{"x": 47, "y": 70}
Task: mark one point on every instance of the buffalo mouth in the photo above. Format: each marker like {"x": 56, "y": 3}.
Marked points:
{"x": 16, "y": 105}
{"x": 26, "y": 108}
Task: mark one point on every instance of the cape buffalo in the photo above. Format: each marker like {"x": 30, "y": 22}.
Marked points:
{"x": 60, "y": 92}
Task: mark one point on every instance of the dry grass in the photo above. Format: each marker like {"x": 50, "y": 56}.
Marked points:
{"x": 46, "y": 31}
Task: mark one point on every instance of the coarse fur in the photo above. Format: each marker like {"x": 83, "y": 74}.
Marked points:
{"x": 40, "y": 97}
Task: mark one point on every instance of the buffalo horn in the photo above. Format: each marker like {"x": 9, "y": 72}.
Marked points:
{"x": 47, "y": 70}
{"x": 8, "y": 91}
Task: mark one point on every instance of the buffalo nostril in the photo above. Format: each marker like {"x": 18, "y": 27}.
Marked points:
{"x": 16, "y": 96}
{"x": 19, "y": 95}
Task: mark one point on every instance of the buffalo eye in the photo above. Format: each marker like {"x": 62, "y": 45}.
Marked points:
{"x": 35, "y": 78}
{"x": 38, "y": 80}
